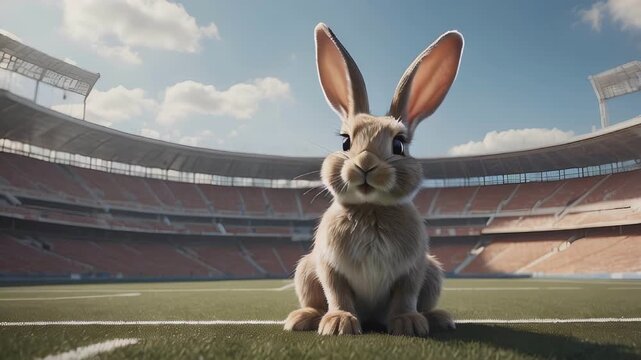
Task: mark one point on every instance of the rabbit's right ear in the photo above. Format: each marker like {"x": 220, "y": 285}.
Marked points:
{"x": 427, "y": 80}
{"x": 339, "y": 76}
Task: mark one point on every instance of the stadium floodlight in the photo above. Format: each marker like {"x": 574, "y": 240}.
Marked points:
{"x": 19, "y": 58}
{"x": 621, "y": 80}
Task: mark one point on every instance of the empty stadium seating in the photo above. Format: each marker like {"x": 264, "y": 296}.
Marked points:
{"x": 451, "y": 252}
{"x": 510, "y": 253}
{"x": 529, "y": 195}
{"x": 23, "y": 258}
{"x": 594, "y": 254}
{"x": 489, "y": 198}
{"x": 227, "y": 258}
{"x": 225, "y": 200}
{"x": 21, "y": 175}
{"x": 503, "y": 215}
{"x": 283, "y": 202}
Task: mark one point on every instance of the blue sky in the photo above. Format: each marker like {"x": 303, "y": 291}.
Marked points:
{"x": 240, "y": 75}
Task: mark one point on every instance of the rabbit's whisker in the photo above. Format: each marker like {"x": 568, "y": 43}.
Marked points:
{"x": 305, "y": 174}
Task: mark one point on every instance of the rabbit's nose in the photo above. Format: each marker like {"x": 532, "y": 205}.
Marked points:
{"x": 366, "y": 161}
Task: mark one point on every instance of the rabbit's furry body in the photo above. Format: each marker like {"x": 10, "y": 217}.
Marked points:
{"x": 369, "y": 264}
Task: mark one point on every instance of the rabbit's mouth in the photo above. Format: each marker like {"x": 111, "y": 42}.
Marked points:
{"x": 365, "y": 188}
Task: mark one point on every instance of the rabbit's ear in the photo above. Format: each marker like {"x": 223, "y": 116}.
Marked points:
{"x": 339, "y": 76}
{"x": 426, "y": 81}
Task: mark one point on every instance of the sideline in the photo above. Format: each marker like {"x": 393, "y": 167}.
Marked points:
{"x": 71, "y": 297}
{"x": 169, "y": 290}
{"x": 281, "y": 322}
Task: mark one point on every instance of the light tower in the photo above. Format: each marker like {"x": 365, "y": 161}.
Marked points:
{"x": 621, "y": 80}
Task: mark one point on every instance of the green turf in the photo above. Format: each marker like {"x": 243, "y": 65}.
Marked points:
{"x": 195, "y": 301}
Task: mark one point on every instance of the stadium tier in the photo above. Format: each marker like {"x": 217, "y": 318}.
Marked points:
{"x": 141, "y": 227}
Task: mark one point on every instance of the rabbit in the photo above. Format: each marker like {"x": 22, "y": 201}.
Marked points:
{"x": 369, "y": 265}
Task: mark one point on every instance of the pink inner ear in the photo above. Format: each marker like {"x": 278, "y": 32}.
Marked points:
{"x": 433, "y": 78}
{"x": 333, "y": 73}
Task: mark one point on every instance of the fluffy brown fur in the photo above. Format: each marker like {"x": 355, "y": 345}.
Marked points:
{"x": 369, "y": 262}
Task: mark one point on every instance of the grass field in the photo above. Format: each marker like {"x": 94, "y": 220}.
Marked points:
{"x": 273, "y": 299}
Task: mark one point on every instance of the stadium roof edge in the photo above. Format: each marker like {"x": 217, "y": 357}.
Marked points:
{"x": 30, "y": 123}
{"x": 32, "y": 63}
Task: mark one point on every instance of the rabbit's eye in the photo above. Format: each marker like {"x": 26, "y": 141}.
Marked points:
{"x": 398, "y": 145}
{"x": 347, "y": 144}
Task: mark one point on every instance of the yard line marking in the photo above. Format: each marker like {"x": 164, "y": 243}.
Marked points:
{"x": 282, "y": 288}
{"x": 286, "y": 286}
{"x": 92, "y": 350}
{"x": 524, "y": 288}
{"x": 586, "y": 281}
{"x": 71, "y": 297}
{"x": 281, "y": 322}
{"x": 547, "y": 321}
{"x": 625, "y": 288}
{"x": 143, "y": 322}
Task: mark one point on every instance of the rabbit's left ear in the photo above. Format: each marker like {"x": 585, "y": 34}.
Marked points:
{"x": 427, "y": 80}
{"x": 339, "y": 76}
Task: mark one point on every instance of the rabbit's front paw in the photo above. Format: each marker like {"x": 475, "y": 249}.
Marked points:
{"x": 339, "y": 323}
{"x": 409, "y": 324}
{"x": 303, "y": 319}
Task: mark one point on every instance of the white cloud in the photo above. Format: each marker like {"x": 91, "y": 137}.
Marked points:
{"x": 625, "y": 13}
{"x": 120, "y": 53}
{"x": 211, "y": 31}
{"x": 593, "y": 16}
{"x": 118, "y": 104}
{"x": 509, "y": 140}
{"x": 11, "y": 35}
{"x": 113, "y": 106}
{"x": 115, "y": 28}
{"x": 239, "y": 101}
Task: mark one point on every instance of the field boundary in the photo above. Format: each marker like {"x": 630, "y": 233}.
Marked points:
{"x": 281, "y": 322}
{"x": 160, "y": 290}
{"x": 130, "y": 294}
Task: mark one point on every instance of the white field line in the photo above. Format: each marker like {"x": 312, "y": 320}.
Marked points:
{"x": 281, "y": 322}
{"x": 71, "y": 297}
{"x": 587, "y": 281}
{"x": 169, "y": 290}
{"x": 282, "y": 288}
{"x": 92, "y": 350}
{"x": 286, "y": 286}
{"x": 525, "y": 288}
{"x": 142, "y": 322}
{"x": 625, "y": 288}
{"x": 548, "y": 321}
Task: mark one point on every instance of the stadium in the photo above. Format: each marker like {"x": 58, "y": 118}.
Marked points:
{"x": 132, "y": 227}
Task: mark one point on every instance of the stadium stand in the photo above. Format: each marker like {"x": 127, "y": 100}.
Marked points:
{"x": 74, "y": 201}
{"x": 25, "y": 257}
{"x": 530, "y": 195}
{"x": 224, "y": 200}
{"x": 163, "y": 201}
{"x": 451, "y": 252}
{"x": 511, "y": 253}
{"x": 594, "y": 254}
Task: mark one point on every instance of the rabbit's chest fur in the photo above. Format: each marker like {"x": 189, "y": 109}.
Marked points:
{"x": 371, "y": 246}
